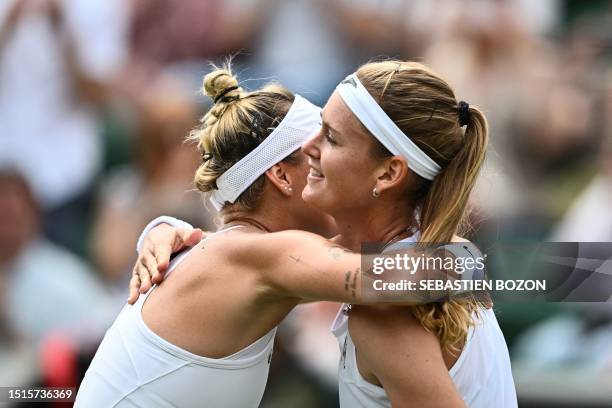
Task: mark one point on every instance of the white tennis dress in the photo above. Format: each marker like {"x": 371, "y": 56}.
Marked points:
{"x": 482, "y": 374}
{"x": 134, "y": 367}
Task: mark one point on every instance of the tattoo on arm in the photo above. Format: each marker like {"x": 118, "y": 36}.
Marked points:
{"x": 347, "y": 278}
{"x": 354, "y": 283}
{"x": 350, "y": 282}
{"x": 350, "y": 277}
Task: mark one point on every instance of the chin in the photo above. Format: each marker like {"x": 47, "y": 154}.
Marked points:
{"x": 307, "y": 194}
{"x": 312, "y": 196}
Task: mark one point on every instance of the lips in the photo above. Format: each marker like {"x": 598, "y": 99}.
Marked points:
{"x": 315, "y": 173}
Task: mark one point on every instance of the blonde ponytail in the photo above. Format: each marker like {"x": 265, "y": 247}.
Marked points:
{"x": 444, "y": 207}
{"x": 444, "y": 214}
{"x": 425, "y": 108}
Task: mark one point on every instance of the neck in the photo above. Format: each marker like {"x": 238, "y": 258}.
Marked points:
{"x": 260, "y": 218}
{"x": 384, "y": 224}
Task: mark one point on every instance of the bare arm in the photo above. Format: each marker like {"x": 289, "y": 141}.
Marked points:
{"x": 302, "y": 265}
{"x": 294, "y": 264}
{"x": 307, "y": 266}
{"x": 289, "y": 263}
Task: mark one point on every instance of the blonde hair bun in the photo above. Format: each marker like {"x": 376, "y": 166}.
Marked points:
{"x": 221, "y": 83}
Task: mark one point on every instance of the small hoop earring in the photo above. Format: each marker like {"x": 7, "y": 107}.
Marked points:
{"x": 375, "y": 193}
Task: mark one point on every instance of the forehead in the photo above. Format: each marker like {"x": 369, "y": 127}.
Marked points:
{"x": 339, "y": 117}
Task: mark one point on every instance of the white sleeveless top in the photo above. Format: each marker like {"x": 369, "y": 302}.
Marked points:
{"x": 134, "y": 367}
{"x": 482, "y": 373}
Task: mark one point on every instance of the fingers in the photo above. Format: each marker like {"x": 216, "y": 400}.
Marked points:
{"x": 162, "y": 259}
{"x": 191, "y": 237}
{"x": 141, "y": 280}
{"x": 182, "y": 239}
{"x": 134, "y": 287}
{"x": 155, "y": 256}
{"x": 146, "y": 269}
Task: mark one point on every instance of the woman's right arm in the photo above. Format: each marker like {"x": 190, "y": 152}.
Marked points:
{"x": 293, "y": 264}
{"x": 299, "y": 264}
{"x": 289, "y": 263}
{"x": 160, "y": 239}
{"x": 303, "y": 265}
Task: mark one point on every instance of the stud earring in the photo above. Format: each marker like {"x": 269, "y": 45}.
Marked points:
{"x": 375, "y": 193}
{"x": 289, "y": 189}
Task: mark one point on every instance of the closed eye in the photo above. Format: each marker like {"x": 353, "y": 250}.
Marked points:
{"x": 327, "y": 133}
{"x": 328, "y": 137}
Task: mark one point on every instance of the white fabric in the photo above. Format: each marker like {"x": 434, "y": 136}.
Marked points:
{"x": 300, "y": 123}
{"x": 374, "y": 118}
{"x": 134, "y": 367}
{"x": 482, "y": 374}
{"x": 164, "y": 219}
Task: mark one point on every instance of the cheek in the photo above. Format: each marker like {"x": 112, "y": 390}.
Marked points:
{"x": 332, "y": 161}
{"x": 300, "y": 175}
{"x": 345, "y": 168}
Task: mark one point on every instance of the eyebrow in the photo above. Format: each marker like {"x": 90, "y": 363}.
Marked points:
{"x": 326, "y": 124}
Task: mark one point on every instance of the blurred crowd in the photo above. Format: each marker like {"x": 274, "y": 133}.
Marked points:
{"x": 97, "y": 96}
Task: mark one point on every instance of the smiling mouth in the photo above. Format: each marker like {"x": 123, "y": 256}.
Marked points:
{"x": 315, "y": 173}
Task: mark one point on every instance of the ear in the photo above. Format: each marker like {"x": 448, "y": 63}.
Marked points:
{"x": 394, "y": 173}
{"x": 280, "y": 178}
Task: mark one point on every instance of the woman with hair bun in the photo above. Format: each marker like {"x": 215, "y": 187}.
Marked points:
{"x": 395, "y": 161}
{"x": 205, "y": 336}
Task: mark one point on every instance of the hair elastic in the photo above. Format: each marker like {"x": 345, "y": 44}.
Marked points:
{"x": 225, "y": 92}
{"x": 464, "y": 113}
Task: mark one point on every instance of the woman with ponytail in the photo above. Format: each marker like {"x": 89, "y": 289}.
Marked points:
{"x": 395, "y": 161}
{"x": 451, "y": 133}
{"x": 205, "y": 336}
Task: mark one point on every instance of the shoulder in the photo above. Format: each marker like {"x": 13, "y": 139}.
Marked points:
{"x": 262, "y": 249}
{"x": 280, "y": 237}
{"x": 383, "y": 324}
{"x": 393, "y": 329}
{"x": 292, "y": 237}
{"x": 404, "y": 357}
{"x": 287, "y": 239}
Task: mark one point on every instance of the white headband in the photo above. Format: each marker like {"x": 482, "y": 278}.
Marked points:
{"x": 374, "y": 118}
{"x": 301, "y": 122}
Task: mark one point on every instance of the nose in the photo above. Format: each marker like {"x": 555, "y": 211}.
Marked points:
{"x": 311, "y": 146}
